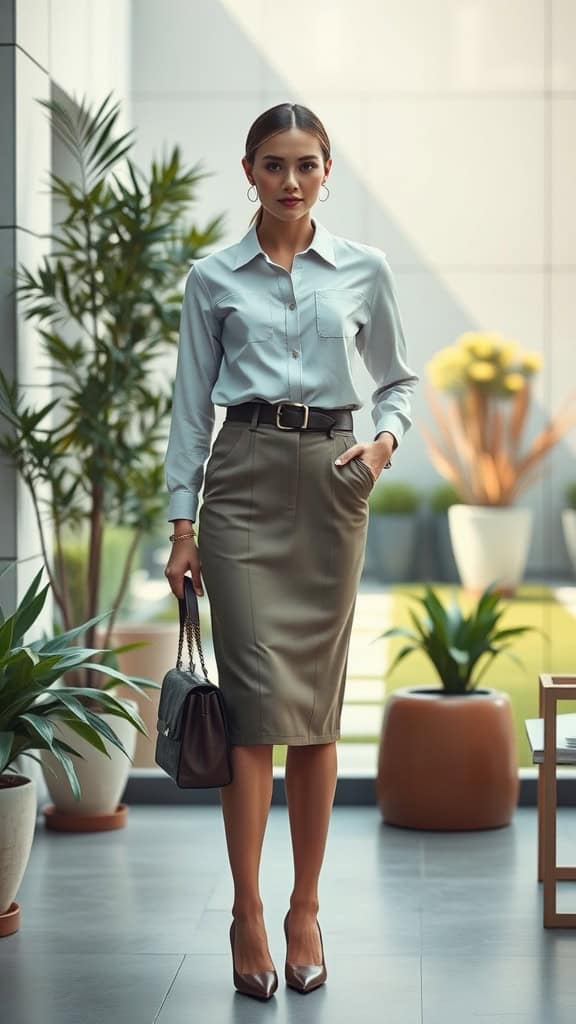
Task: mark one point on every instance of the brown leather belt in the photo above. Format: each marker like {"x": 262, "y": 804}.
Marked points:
{"x": 292, "y": 415}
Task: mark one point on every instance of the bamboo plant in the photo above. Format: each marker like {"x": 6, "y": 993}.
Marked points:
{"x": 488, "y": 383}
{"x": 106, "y": 305}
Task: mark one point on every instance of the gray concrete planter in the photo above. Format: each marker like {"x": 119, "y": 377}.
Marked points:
{"x": 393, "y": 546}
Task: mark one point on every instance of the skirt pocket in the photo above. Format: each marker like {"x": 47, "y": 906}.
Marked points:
{"x": 362, "y": 472}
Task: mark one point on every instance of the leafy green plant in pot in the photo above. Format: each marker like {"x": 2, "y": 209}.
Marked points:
{"x": 38, "y": 717}
{"x": 447, "y": 756}
{"x": 569, "y": 523}
{"x": 106, "y": 305}
{"x": 393, "y": 530}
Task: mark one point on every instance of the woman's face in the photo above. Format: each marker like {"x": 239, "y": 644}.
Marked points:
{"x": 289, "y": 163}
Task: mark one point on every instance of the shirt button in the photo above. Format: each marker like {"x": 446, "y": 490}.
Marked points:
{"x": 292, "y": 305}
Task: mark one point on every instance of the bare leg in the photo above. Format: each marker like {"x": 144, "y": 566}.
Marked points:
{"x": 245, "y": 805}
{"x": 310, "y": 784}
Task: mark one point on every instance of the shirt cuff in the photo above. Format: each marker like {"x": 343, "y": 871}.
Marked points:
{"x": 391, "y": 429}
{"x": 182, "y": 505}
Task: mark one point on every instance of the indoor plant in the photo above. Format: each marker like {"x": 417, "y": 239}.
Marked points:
{"x": 488, "y": 381}
{"x": 37, "y": 716}
{"x": 106, "y": 304}
{"x": 392, "y": 527}
{"x": 569, "y": 523}
{"x": 447, "y": 756}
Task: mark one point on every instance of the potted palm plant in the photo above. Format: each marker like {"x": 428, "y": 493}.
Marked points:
{"x": 392, "y": 525}
{"x": 447, "y": 756}
{"x": 488, "y": 381}
{"x": 37, "y": 716}
{"x": 569, "y": 523}
{"x": 106, "y": 305}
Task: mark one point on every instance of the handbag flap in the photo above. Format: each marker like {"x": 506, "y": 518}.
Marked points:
{"x": 177, "y": 686}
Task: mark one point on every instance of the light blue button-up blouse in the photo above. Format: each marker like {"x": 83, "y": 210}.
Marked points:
{"x": 252, "y": 330}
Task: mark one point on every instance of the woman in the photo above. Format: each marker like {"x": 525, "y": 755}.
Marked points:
{"x": 268, "y": 328}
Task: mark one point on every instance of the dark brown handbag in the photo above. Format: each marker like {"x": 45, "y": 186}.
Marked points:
{"x": 193, "y": 741}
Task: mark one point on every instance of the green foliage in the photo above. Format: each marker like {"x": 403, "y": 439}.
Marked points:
{"x": 394, "y": 499}
{"x": 29, "y": 708}
{"x": 115, "y": 545}
{"x": 571, "y": 496}
{"x": 442, "y": 497}
{"x": 456, "y": 643}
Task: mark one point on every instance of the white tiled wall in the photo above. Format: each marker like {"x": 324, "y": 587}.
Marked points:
{"x": 453, "y": 135}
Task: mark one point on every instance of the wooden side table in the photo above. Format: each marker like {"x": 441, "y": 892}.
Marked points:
{"x": 552, "y": 688}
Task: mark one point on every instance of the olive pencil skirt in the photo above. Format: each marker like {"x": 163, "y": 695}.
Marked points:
{"x": 281, "y": 539}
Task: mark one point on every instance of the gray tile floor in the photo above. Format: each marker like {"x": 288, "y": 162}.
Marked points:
{"x": 419, "y": 927}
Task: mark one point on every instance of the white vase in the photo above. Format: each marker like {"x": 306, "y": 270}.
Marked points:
{"x": 490, "y": 544}
{"x": 102, "y": 780}
{"x": 569, "y": 528}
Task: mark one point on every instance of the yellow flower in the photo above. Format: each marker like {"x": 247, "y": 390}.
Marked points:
{"x": 482, "y": 371}
{"x": 508, "y": 353}
{"x": 481, "y": 344}
{"x": 531, "y": 362}
{"x": 514, "y": 382}
{"x": 446, "y": 378}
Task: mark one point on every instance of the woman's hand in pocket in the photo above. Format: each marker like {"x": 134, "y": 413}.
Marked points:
{"x": 183, "y": 557}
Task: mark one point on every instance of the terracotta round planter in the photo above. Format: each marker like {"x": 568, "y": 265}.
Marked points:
{"x": 447, "y": 762}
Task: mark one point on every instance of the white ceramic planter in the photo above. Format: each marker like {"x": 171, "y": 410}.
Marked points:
{"x": 17, "y": 822}
{"x": 569, "y": 528}
{"x": 151, "y": 661}
{"x": 490, "y": 544}
{"x": 102, "y": 780}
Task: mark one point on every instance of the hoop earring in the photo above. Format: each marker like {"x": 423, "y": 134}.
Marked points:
{"x": 255, "y": 200}
{"x": 326, "y": 196}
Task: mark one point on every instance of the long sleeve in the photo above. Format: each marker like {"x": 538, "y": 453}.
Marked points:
{"x": 382, "y": 346}
{"x": 192, "y": 420}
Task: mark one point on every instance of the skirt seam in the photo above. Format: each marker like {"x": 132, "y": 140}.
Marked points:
{"x": 256, "y": 650}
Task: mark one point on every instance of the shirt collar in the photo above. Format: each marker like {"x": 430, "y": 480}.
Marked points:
{"x": 249, "y": 246}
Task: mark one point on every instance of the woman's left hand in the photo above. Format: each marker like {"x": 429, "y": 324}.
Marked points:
{"x": 374, "y": 454}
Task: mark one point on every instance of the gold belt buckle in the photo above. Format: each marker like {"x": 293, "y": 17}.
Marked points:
{"x": 301, "y": 405}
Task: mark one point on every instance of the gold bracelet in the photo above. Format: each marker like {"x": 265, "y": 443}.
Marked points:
{"x": 181, "y": 536}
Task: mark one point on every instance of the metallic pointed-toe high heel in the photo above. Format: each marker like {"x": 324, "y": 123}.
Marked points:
{"x": 262, "y": 984}
{"x": 304, "y": 977}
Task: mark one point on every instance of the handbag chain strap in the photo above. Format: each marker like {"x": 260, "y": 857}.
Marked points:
{"x": 191, "y": 628}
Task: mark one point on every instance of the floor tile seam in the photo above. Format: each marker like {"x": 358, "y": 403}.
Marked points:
{"x": 164, "y": 1000}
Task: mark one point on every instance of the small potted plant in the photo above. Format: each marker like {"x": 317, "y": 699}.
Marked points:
{"x": 36, "y": 716}
{"x": 569, "y": 523}
{"x": 487, "y": 380}
{"x": 393, "y": 524}
{"x": 447, "y": 757}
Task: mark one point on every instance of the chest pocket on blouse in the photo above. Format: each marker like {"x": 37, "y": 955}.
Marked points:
{"x": 337, "y": 312}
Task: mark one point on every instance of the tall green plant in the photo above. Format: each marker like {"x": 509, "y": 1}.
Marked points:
{"x": 106, "y": 304}
{"x": 456, "y": 643}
